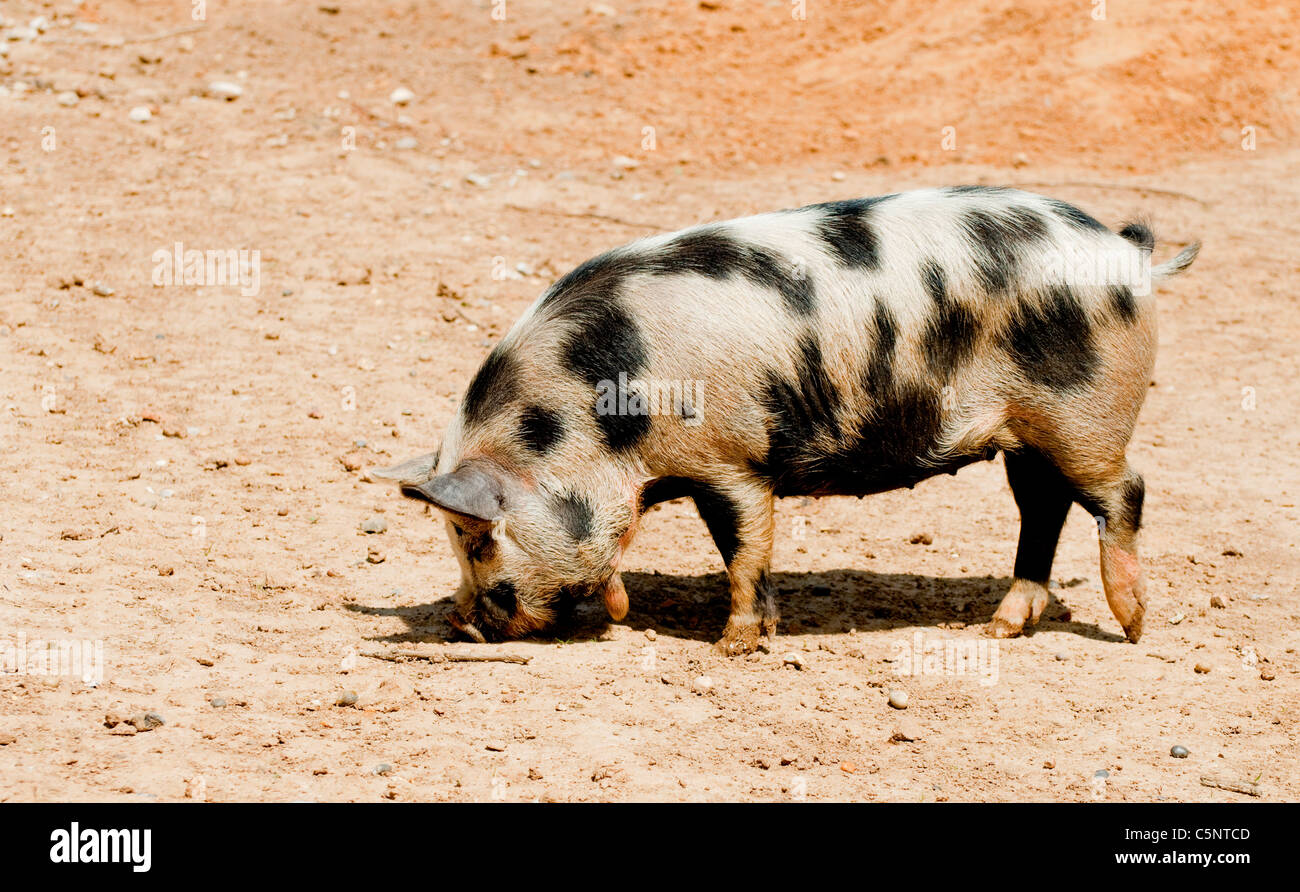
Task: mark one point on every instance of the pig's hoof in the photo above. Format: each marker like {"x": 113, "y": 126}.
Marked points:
{"x": 1023, "y": 605}
{"x": 1133, "y": 631}
{"x": 1001, "y": 628}
{"x": 739, "y": 639}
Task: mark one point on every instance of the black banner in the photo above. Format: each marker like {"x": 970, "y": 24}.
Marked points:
{"x": 302, "y": 840}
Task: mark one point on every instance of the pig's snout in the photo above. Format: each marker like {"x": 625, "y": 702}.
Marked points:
{"x": 465, "y": 626}
{"x": 495, "y": 614}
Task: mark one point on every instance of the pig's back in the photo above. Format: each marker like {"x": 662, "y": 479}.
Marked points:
{"x": 847, "y": 347}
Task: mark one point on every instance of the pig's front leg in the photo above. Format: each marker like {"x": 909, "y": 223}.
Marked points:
{"x": 739, "y": 517}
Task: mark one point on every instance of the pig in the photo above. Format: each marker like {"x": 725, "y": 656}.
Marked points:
{"x": 843, "y": 348}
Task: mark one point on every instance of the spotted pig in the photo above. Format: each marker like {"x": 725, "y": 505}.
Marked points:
{"x": 844, "y": 348}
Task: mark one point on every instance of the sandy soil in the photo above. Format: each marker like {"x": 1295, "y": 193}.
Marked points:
{"x": 176, "y": 474}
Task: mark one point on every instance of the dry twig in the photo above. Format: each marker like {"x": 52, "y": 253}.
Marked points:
{"x": 445, "y": 656}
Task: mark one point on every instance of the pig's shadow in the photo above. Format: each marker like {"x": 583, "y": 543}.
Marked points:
{"x": 823, "y": 603}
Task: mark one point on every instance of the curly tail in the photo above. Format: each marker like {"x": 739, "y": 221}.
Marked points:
{"x": 1181, "y": 261}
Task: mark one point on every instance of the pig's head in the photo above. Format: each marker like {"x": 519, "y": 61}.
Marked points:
{"x": 527, "y": 551}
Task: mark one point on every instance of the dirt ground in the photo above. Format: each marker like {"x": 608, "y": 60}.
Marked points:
{"x": 179, "y": 473}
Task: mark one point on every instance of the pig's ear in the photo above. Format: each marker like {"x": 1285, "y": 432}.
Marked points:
{"x": 472, "y": 490}
{"x": 412, "y": 471}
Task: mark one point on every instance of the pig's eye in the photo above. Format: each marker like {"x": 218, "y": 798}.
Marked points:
{"x": 502, "y": 597}
{"x": 479, "y": 548}
{"x": 459, "y": 531}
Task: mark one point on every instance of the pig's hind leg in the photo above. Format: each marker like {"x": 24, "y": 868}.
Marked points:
{"x": 1116, "y": 507}
{"x": 1044, "y": 496}
{"x": 1112, "y": 492}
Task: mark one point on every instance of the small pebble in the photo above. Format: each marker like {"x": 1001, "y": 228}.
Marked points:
{"x": 702, "y": 685}
{"x": 905, "y": 731}
{"x": 898, "y": 699}
{"x": 140, "y": 114}
{"x": 1178, "y": 752}
{"x": 68, "y": 98}
{"x": 146, "y": 721}
{"x": 651, "y": 634}
{"x": 347, "y": 698}
{"x": 383, "y": 769}
{"x": 376, "y": 524}
{"x": 401, "y": 96}
{"x": 1217, "y": 602}
{"x": 225, "y": 90}
{"x": 792, "y": 659}
{"x": 1201, "y": 669}
{"x": 1049, "y": 764}
{"x": 375, "y": 556}
{"x": 1101, "y": 772}
{"x": 1176, "y": 619}
{"x": 218, "y": 702}
{"x": 495, "y": 746}
{"x": 1062, "y": 656}
{"x": 99, "y": 289}
{"x": 921, "y": 539}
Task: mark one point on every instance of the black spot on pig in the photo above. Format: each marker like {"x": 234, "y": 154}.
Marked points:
{"x": 495, "y": 384}
{"x": 998, "y": 241}
{"x": 880, "y": 365}
{"x": 1120, "y": 509}
{"x": 935, "y": 285}
{"x": 716, "y": 508}
{"x": 813, "y": 450}
{"x": 1139, "y": 234}
{"x": 1075, "y": 217}
{"x": 799, "y": 411}
{"x": 604, "y": 342}
{"x": 949, "y": 336}
{"x": 592, "y": 280}
{"x": 498, "y": 603}
{"x": 721, "y": 516}
{"x": 714, "y": 254}
{"x": 976, "y": 190}
{"x": 478, "y": 545}
{"x": 1052, "y": 341}
{"x": 540, "y": 429}
{"x": 575, "y": 514}
{"x": 1122, "y": 303}
{"x": 845, "y": 229}
{"x": 893, "y": 446}
{"x": 663, "y": 489}
{"x": 1133, "y": 494}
